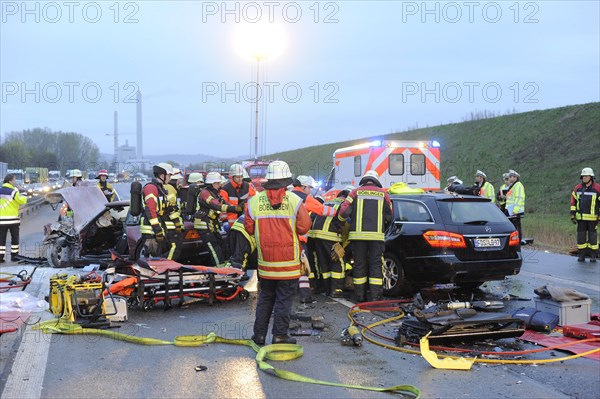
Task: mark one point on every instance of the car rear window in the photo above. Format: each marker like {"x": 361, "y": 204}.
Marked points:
{"x": 470, "y": 212}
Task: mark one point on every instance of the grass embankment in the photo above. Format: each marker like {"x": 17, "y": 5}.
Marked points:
{"x": 548, "y": 148}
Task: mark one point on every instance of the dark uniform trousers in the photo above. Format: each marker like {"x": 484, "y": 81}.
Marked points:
{"x": 278, "y": 296}
{"x": 331, "y": 270}
{"x": 14, "y": 240}
{"x": 368, "y": 262}
{"x": 241, "y": 250}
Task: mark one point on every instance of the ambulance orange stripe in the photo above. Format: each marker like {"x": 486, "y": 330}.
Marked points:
{"x": 375, "y": 152}
{"x": 352, "y": 153}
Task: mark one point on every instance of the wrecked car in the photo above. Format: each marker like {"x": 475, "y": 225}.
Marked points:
{"x": 94, "y": 227}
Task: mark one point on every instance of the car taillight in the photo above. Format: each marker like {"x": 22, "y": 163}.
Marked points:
{"x": 514, "y": 239}
{"x": 444, "y": 239}
{"x": 192, "y": 235}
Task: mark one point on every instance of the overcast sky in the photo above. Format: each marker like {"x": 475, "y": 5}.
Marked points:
{"x": 348, "y": 69}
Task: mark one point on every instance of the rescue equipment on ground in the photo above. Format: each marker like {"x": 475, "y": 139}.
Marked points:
{"x": 148, "y": 282}
{"x": 445, "y": 363}
{"x": 278, "y": 352}
{"x": 10, "y": 281}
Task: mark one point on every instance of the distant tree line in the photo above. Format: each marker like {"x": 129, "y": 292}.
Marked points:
{"x": 47, "y": 149}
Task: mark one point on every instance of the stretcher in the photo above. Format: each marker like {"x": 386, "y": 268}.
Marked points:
{"x": 147, "y": 282}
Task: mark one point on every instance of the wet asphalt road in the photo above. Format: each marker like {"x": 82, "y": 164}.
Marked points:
{"x": 78, "y": 366}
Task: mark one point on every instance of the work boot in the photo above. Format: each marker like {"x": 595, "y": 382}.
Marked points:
{"x": 283, "y": 339}
{"x": 593, "y": 256}
{"x": 581, "y": 256}
{"x": 258, "y": 339}
{"x": 336, "y": 294}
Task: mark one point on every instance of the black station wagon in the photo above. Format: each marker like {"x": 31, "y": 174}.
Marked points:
{"x": 445, "y": 238}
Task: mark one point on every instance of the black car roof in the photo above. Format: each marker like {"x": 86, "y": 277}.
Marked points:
{"x": 441, "y": 197}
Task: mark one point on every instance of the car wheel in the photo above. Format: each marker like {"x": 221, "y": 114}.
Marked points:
{"x": 58, "y": 253}
{"x": 394, "y": 281}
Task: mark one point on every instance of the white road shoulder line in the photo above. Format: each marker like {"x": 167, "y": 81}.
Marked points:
{"x": 562, "y": 281}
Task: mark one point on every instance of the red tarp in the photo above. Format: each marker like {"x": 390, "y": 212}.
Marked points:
{"x": 552, "y": 340}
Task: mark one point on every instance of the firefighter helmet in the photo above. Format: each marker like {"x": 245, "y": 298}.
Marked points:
{"x": 245, "y": 175}
{"x": 345, "y": 191}
{"x": 75, "y": 173}
{"x": 587, "y": 172}
{"x": 307, "y": 181}
{"x": 236, "y": 170}
{"x": 176, "y": 174}
{"x": 195, "y": 177}
{"x": 103, "y": 172}
{"x": 162, "y": 169}
{"x": 278, "y": 170}
{"x": 480, "y": 173}
{"x": 213, "y": 177}
{"x": 370, "y": 175}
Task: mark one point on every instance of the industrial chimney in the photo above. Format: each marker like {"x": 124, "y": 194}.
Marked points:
{"x": 116, "y": 134}
{"x": 139, "y": 125}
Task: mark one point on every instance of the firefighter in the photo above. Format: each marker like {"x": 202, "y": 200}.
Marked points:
{"x": 370, "y": 210}
{"x": 515, "y": 200}
{"x": 10, "y": 200}
{"x": 324, "y": 234}
{"x": 486, "y": 189}
{"x": 585, "y": 212}
{"x": 501, "y": 194}
{"x": 152, "y": 223}
{"x": 106, "y": 188}
{"x": 172, "y": 216}
{"x": 206, "y": 219}
{"x": 242, "y": 245}
{"x": 302, "y": 187}
{"x": 75, "y": 175}
{"x": 236, "y": 192}
{"x": 195, "y": 184}
{"x": 276, "y": 218}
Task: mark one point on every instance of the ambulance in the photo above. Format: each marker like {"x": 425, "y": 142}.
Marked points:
{"x": 415, "y": 163}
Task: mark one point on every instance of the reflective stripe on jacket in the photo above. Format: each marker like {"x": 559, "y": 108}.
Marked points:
{"x": 108, "y": 190}
{"x": 236, "y": 194}
{"x": 276, "y": 232}
{"x": 585, "y": 201}
{"x": 155, "y": 202}
{"x": 172, "y": 215}
{"x": 10, "y": 199}
{"x": 369, "y": 208}
{"x": 328, "y": 227}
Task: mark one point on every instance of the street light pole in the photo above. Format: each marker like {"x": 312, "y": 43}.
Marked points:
{"x": 256, "y": 109}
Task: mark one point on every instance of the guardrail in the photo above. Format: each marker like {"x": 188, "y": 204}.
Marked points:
{"x": 32, "y": 204}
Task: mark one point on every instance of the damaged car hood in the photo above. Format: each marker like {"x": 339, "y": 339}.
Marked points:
{"x": 85, "y": 201}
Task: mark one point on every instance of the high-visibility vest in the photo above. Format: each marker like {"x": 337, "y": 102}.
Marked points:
{"x": 515, "y": 199}
{"x": 327, "y": 227}
{"x": 108, "y": 190}
{"x": 238, "y": 225}
{"x": 368, "y": 213}
{"x": 276, "y": 239}
{"x": 173, "y": 216}
{"x": 10, "y": 199}
{"x": 487, "y": 191}
{"x": 146, "y": 221}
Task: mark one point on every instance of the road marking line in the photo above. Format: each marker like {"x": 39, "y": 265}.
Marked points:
{"x": 29, "y": 368}
{"x": 592, "y": 287}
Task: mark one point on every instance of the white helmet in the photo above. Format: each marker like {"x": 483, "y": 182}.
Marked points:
{"x": 587, "y": 172}
{"x": 75, "y": 173}
{"x": 454, "y": 179}
{"x": 480, "y": 173}
{"x": 195, "y": 177}
{"x": 513, "y": 173}
{"x": 223, "y": 180}
{"x": 162, "y": 168}
{"x": 307, "y": 181}
{"x": 236, "y": 170}
{"x": 370, "y": 175}
{"x": 245, "y": 174}
{"x": 176, "y": 174}
{"x": 278, "y": 170}
{"x": 213, "y": 177}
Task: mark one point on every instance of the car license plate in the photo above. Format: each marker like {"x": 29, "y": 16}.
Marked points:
{"x": 487, "y": 242}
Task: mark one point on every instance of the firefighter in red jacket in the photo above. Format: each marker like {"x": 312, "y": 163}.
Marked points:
{"x": 236, "y": 192}
{"x": 276, "y": 218}
{"x": 370, "y": 210}
{"x": 302, "y": 186}
{"x": 585, "y": 212}
{"x": 206, "y": 219}
{"x": 152, "y": 224}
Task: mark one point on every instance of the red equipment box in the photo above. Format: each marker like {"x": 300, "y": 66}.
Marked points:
{"x": 582, "y": 331}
